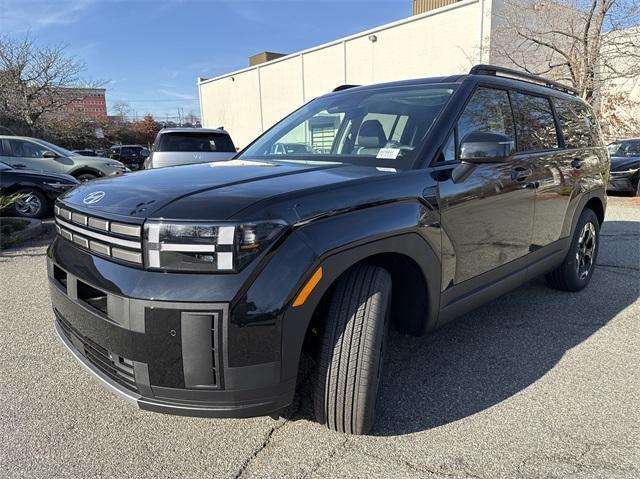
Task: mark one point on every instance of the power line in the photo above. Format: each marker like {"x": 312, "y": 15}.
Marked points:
{"x": 177, "y": 100}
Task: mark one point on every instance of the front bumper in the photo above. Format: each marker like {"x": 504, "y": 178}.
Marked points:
{"x": 164, "y": 356}
{"x": 623, "y": 181}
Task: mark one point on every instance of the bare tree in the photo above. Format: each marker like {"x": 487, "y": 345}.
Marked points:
{"x": 584, "y": 43}
{"x": 35, "y": 80}
{"x": 121, "y": 109}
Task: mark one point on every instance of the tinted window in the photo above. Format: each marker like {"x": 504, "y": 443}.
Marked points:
{"x": 488, "y": 110}
{"x": 633, "y": 148}
{"x": 449, "y": 150}
{"x": 202, "y": 142}
{"x": 26, "y": 149}
{"x": 576, "y": 123}
{"x": 534, "y": 122}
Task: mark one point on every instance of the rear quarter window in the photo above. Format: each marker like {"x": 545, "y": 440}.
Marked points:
{"x": 195, "y": 142}
{"x": 578, "y": 124}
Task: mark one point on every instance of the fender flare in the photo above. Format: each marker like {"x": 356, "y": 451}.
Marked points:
{"x": 85, "y": 169}
{"x": 264, "y": 327}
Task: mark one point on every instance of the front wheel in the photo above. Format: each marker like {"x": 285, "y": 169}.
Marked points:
{"x": 351, "y": 350}
{"x": 32, "y": 204}
{"x": 84, "y": 177}
{"x": 576, "y": 270}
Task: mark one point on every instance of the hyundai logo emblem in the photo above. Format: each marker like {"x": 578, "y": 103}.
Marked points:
{"x": 94, "y": 197}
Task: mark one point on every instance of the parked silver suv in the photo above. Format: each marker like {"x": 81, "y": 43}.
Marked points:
{"x": 182, "y": 146}
{"x": 35, "y": 154}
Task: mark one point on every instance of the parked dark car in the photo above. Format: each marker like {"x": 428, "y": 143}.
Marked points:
{"x": 132, "y": 156}
{"x": 85, "y": 152}
{"x": 39, "y": 189}
{"x": 625, "y": 166}
{"x": 184, "y": 146}
{"x": 194, "y": 290}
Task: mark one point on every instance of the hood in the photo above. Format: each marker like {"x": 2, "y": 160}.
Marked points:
{"x": 624, "y": 163}
{"x": 207, "y": 191}
{"x": 100, "y": 160}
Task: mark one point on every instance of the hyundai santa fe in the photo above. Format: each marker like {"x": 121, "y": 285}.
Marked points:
{"x": 194, "y": 290}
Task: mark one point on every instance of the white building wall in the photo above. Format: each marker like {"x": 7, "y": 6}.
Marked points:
{"x": 440, "y": 42}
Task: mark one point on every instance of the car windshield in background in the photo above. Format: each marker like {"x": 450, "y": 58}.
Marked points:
{"x": 196, "y": 141}
{"x": 381, "y": 127}
{"x": 625, "y": 148}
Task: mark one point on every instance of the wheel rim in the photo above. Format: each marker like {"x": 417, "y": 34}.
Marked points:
{"x": 586, "y": 250}
{"x": 30, "y": 205}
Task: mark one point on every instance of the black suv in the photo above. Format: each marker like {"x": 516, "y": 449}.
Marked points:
{"x": 625, "y": 166}
{"x": 133, "y": 156}
{"x": 195, "y": 290}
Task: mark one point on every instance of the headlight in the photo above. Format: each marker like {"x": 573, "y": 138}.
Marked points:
{"x": 114, "y": 164}
{"x": 61, "y": 186}
{"x": 206, "y": 247}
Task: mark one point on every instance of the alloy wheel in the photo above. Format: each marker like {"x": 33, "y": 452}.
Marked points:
{"x": 29, "y": 205}
{"x": 586, "y": 250}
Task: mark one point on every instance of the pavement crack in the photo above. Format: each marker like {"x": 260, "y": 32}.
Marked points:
{"x": 280, "y": 423}
{"x": 332, "y": 454}
{"x": 618, "y": 266}
{"x": 256, "y": 452}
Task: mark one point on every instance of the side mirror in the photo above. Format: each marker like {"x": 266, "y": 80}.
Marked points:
{"x": 49, "y": 154}
{"x": 486, "y": 147}
{"x": 144, "y": 153}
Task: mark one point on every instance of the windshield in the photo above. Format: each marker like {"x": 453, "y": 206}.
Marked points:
{"x": 378, "y": 127}
{"x": 57, "y": 149}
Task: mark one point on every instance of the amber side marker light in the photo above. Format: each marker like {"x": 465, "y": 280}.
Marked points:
{"x": 308, "y": 288}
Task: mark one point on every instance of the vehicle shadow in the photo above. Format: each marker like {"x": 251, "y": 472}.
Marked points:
{"x": 496, "y": 351}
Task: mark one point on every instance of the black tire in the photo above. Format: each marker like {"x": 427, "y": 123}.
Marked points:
{"x": 34, "y": 204}
{"x": 86, "y": 177}
{"x": 573, "y": 274}
{"x": 351, "y": 350}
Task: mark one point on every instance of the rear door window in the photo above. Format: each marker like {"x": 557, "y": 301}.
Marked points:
{"x": 535, "y": 124}
{"x": 196, "y": 142}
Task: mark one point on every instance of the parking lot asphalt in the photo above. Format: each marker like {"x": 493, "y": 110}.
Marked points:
{"x": 538, "y": 383}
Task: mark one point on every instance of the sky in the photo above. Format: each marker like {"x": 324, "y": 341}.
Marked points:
{"x": 149, "y": 53}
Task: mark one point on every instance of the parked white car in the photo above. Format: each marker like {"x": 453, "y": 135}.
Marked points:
{"x": 183, "y": 146}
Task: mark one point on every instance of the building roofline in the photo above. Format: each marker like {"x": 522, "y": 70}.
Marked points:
{"x": 339, "y": 41}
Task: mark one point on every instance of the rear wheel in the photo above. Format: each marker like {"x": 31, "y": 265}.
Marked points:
{"x": 33, "y": 204}
{"x": 351, "y": 350}
{"x": 575, "y": 272}
{"x": 86, "y": 177}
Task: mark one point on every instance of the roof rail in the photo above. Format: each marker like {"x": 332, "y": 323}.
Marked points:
{"x": 343, "y": 87}
{"x": 520, "y": 75}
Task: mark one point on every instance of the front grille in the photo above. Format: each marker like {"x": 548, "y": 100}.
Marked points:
{"x": 112, "y": 239}
{"x": 116, "y": 367}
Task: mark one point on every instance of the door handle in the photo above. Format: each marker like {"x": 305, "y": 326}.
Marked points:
{"x": 19, "y": 165}
{"x": 520, "y": 173}
{"x": 576, "y": 163}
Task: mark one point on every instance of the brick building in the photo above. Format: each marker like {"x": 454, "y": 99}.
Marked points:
{"x": 87, "y": 101}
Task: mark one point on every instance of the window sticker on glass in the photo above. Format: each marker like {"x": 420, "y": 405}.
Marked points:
{"x": 388, "y": 153}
